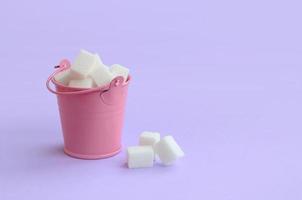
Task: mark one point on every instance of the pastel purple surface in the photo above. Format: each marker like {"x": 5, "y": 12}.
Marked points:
{"x": 222, "y": 77}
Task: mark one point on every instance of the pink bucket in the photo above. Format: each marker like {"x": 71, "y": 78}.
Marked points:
{"x": 91, "y": 119}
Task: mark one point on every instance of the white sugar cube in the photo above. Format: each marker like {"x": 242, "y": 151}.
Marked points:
{"x": 140, "y": 156}
{"x": 63, "y": 77}
{"x": 98, "y": 59}
{"x": 100, "y": 74}
{"x": 83, "y": 83}
{"x": 168, "y": 150}
{"x": 119, "y": 70}
{"x": 83, "y": 65}
{"x": 149, "y": 138}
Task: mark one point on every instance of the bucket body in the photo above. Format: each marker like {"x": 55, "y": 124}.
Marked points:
{"x": 92, "y": 121}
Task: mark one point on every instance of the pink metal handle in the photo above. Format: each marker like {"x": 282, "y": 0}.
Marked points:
{"x": 65, "y": 64}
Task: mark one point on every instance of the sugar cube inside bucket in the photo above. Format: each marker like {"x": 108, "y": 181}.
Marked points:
{"x": 98, "y": 59}
{"x": 140, "y": 156}
{"x": 88, "y": 66}
{"x": 119, "y": 70}
{"x": 168, "y": 150}
{"x": 83, "y": 83}
{"x": 100, "y": 73}
{"x": 83, "y": 65}
{"x": 63, "y": 77}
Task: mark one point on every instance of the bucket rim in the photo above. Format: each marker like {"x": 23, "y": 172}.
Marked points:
{"x": 65, "y": 65}
{"x": 103, "y": 87}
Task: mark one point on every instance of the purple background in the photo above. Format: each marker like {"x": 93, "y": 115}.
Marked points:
{"x": 223, "y": 77}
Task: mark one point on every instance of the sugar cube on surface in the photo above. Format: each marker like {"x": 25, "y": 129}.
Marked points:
{"x": 63, "y": 77}
{"x": 140, "y": 156}
{"x": 83, "y": 83}
{"x": 83, "y": 65}
{"x": 100, "y": 74}
{"x": 168, "y": 150}
{"x": 119, "y": 70}
{"x": 149, "y": 138}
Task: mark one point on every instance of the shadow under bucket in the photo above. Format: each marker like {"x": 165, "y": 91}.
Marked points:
{"x": 91, "y": 119}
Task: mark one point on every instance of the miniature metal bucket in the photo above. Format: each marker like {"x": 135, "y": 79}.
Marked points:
{"x": 91, "y": 119}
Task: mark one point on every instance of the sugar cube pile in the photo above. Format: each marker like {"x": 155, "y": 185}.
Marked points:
{"x": 150, "y": 145}
{"x": 88, "y": 71}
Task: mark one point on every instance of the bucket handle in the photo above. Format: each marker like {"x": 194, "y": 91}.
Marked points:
{"x": 65, "y": 64}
